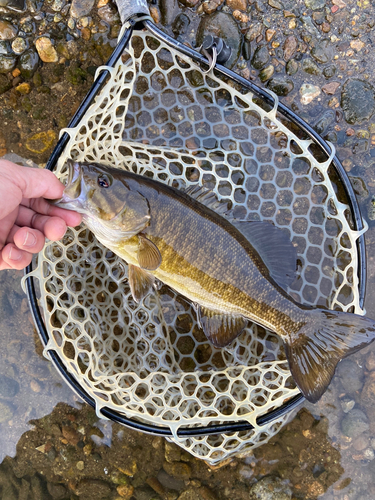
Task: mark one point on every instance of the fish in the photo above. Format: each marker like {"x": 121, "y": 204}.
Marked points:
{"x": 231, "y": 271}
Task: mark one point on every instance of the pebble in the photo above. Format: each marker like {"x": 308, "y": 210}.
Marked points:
{"x": 34, "y": 385}
{"x": 81, "y": 8}
{"x": 280, "y": 85}
{"x": 266, "y": 73}
{"x": 270, "y": 488}
{"x": 290, "y": 47}
{"x": 357, "y": 100}
{"x": 329, "y": 71}
{"x": 354, "y": 423}
{"x": 347, "y": 404}
{"x": 270, "y": 33}
{"x": 19, "y": 45}
{"x": 330, "y": 88}
{"x": 322, "y": 51}
{"x": 172, "y": 483}
{"x": 7, "y": 63}
{"x": 177, "y": 469}
{"x": 260, "y": 57}
{"x": 310, "y": 67}
{"x": 125, "y": 491}
{"x": 28, "y": 63}
{"x": 350, "y": 374}
{"x": 237, "y": 4}
{"x": 80, "y": 465}
{"x": 40, "y": 142}
{"x": 7, "y": 30}
{"x": 109, "y": 14}
{"x": 5, "y": 85}
{"x": 275, "y": 4}
{"x": 46, "y": 50}
{"x": 291, "y": 67}
{"x": 308, "y": 92}
{"x": 360, "y": 443}
{"x": 324, "y": 122}
{"x": 71, "y": 435}
{"x": 315, "y": 4}
{"x": 180, "y": 24}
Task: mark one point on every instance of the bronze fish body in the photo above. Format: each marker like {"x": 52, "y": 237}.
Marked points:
{"x": 232, "y": 272}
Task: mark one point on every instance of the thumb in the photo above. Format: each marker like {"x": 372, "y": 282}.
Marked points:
{"x": 32, "y": 182}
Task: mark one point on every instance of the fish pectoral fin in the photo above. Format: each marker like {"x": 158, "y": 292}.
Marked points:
{"x": 141, "y": 282}
{"x": 149, "y": 257}
{"x": 220, "y": 329}
{"x": 274, "y": 248}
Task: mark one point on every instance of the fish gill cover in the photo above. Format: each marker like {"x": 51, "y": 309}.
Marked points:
{"x": 159, "y": 115}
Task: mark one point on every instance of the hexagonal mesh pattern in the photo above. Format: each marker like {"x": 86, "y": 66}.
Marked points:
{"x": 160, "y": 116}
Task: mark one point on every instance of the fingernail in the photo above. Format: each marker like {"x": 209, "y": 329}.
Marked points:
{"x": 30, "y": 240}
{"x": 14, "y": 254}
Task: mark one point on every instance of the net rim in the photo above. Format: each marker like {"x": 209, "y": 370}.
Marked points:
{"x": 113, "y": 415}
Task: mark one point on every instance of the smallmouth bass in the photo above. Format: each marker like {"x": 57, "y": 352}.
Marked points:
{"x": 232, "y": 272}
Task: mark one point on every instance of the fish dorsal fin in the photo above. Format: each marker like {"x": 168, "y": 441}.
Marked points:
{"x": 140, "y": 281}
{"x": 220, "y": 329}
{"x": 207, "y": 198}
{"x": 274, "y": 248}
{"x": 148, "y": 255}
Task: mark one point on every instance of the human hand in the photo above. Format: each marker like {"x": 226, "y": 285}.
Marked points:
{"x": 26, "y": 218}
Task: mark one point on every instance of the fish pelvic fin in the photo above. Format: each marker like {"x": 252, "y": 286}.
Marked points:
{"x": 325, "y": 339}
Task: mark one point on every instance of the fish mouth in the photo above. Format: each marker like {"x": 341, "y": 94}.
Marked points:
{"x": 72, "y": 195}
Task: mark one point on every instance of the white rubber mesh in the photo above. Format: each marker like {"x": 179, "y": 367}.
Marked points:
{"x": 160, "y": 116}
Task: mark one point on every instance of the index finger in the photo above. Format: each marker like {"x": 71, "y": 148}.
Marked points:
{"x": 42, "y": 206}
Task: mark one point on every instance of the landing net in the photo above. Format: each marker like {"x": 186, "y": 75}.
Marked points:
{"x": 160, "y": 116}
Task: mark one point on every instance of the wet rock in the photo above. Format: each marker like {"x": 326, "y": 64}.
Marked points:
{"x": 275, "y": 4}
{"x": 310, "y": 67}
{"x": 172, "y": 483}
{"x": 322, "y": 51}
{"x": 308, "y": 93}
{"x": 190, "y": 494}
{"x": 368, "y": 392}
{"x": 40, "y": 142}
{"x": 46, "y": 50}
{"x": 169, "y": 10}
{"x": 177, "y": 469}
{"x": 4, "y": 48}
{"x": 93, "y": 488}
{"x": 57, "y": 491}
{"x": 28, "y": 63}
{"x": 290, "y": 47}
{"x": 270, "y": 488}
{"x": 109, "y": 14}
{"x": 172, "y": 452}
{"x": 291, "y": 67}
{"x": 329, "y": 71}
{"x": 354, "y": 423}
{"x": 81, "y": 8}
{"x": 347, "y": 404}
{"x": 180, "y": 24}
{"x": 224, "y": 26}
{"x": 4, "y": 84}
{"x": 17, "y": 5}
{"x": 19, "y": 45}
{"x": 8, "y": 387}
{"x": 266, "y": 73}
{"x": 281, "y": 86}
{"x": 331, "y": 88}
{"x": 357, "y": 100}
{"x": 260, "y": 57}
{"x": 125, "y": 491}
{"x": 7, "y": 63}
{"x": 6, "y": 412}
{"x": 237, "y": 4}
{"x": 350, "y": 375}
{"x": 325, "y": 121}
{"x": 315, "y": 4}
{"x": 71, "y": 435}
{"x": 7, "y": 30}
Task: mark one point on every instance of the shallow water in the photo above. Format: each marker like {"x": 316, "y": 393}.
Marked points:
{"x": 58, "y": 449}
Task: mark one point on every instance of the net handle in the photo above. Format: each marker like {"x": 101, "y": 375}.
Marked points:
{"x": 131, "y": 8}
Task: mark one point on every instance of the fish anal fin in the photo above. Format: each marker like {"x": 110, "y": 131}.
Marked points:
{"x": 149, "y": 256}
{"x": 274, "y": 248}
{"x": 141, "y": 282}
{"x": 327, "y": 337}
{"x": 220, "y": 329}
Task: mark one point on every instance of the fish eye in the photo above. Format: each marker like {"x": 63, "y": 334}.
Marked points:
{"x": 103, "y": 181}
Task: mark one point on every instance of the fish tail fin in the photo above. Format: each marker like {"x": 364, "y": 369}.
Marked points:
{"x": 327, "y": 337}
